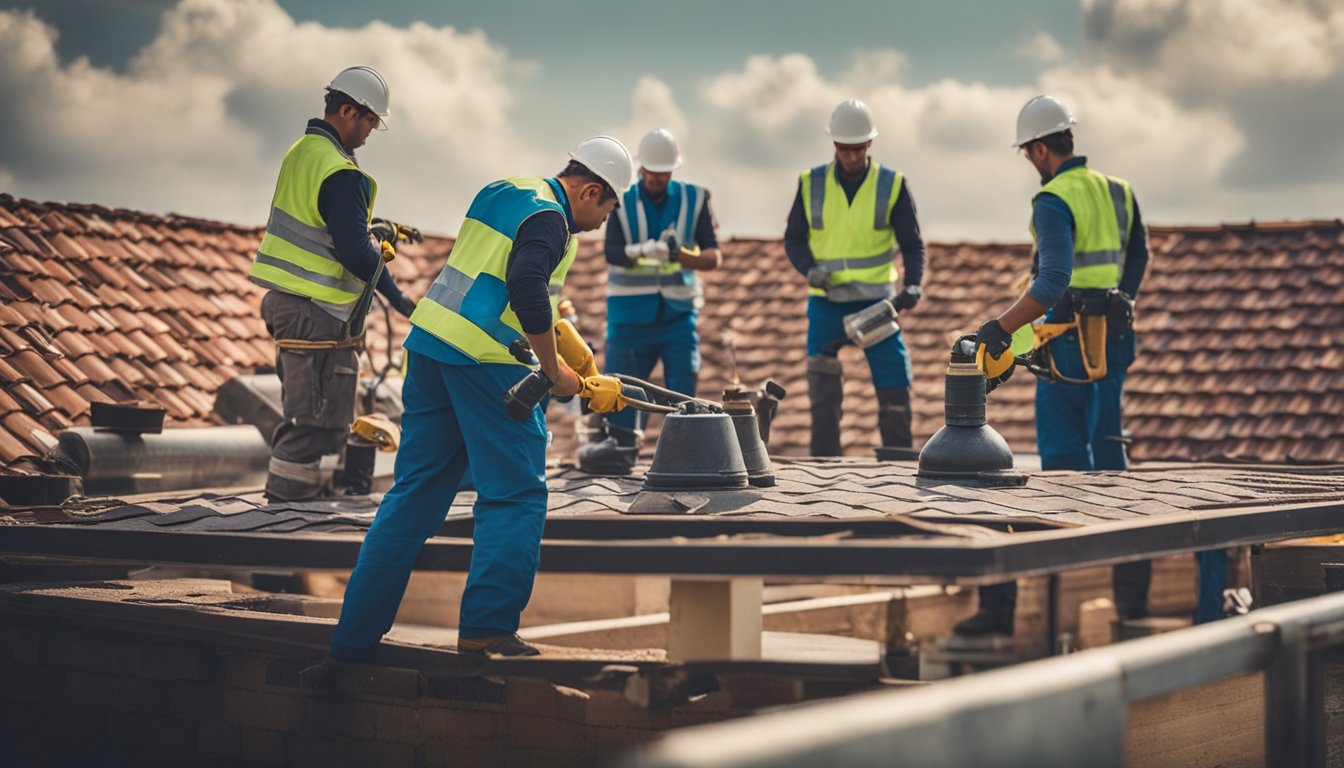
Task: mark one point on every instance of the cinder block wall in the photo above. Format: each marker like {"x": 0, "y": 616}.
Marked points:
{"x": 100, "y": 697}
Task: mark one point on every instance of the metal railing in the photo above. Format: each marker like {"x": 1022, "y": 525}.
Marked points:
{"x": 1063, "y": 711}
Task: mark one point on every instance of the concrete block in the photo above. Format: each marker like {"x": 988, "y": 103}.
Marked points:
{"x": 373, "y": 680}
{"x": 284, "y": 672}
{"x": 714, "y": 620}
{"x": 196, "y": 701}
{"x": 179, "y": 662}
{"x": 480, "y": 690}
{"x": 269, "y": 711}
{"x": 402, "y": 725}
{"x": 541, "y": 697}
{"x": 334, "y": 715}
{"x": 242, "y": 671}
{"x": 303, "y": 750}
{"x": 348, "y": 753}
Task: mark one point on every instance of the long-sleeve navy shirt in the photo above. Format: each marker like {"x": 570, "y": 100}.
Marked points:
{"x": 538, "y": 248}
{"x": 343, "y": 201}
{"x": 904, "y": 223}
{"x": 614, "y": 247}
{"x": 1052, "y": 266}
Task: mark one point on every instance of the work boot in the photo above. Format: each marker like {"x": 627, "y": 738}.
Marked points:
{"x": 998, "y": 603}
{"x": 825, "y": 390}
{"x": 984, "y": 622}
{"x": 893, "y": 417}
{"x": 496, "y": 645}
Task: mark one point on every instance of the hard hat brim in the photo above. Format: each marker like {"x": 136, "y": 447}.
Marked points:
{"x": 661, "y": 167}
{"x": 853, "y": 139}
{"x": 1041, "y": 135}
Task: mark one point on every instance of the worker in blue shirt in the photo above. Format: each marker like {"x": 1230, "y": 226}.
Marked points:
{"x": 1090, "y": 259}
{"x": 659, "y": 238}
{"x": 492, "y": 294}
{"x": 848, "y": 218}
{"x": 315, "y": 259}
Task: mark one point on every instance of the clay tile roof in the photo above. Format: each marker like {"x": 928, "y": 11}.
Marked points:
{"x": 160, "y": 308}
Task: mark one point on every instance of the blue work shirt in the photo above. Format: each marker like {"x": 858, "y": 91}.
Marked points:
{"x": 538, "y": 248}
{"x": 1052, "y": 265}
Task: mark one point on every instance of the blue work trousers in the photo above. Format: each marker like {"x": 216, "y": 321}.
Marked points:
{"x": 887, "y": 359}
{"x": 1078, "y": 425}
{"x": 635, "y": 348}
{"x": 454, "y": 415}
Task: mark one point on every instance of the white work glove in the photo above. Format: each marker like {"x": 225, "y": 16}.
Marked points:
{"x": 649, "y": 252}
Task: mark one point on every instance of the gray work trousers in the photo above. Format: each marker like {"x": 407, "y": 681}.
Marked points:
{"x": 317, "y": 396}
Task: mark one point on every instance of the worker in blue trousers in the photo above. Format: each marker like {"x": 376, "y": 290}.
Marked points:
{"x": 1090, "y": 258}
{"x": 518, "y": 235}
{"x": 660, "y": 237}
{"x": 848, "y": 218}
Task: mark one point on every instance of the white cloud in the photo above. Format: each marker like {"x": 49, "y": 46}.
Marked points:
{"x": 1217, "y": 110}
{"x": 1041, "y": 47}
{"x": 201, "y": 117}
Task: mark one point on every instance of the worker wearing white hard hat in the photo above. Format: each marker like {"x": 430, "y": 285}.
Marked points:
{"x": 316, "y": 259}
{"x": 1089, "y": 262}
{"x": 656, "y": 242}
{"x": 850, "y": 217}
{"x": 467, "y": 347}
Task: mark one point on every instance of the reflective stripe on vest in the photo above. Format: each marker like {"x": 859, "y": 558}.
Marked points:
{"x": 467, "y": 305}
{"x": 296, "y": 254}
{"x": 672, "y": 280}
{"x": 852, "y": 240}
{"x": 1103, "y": 213}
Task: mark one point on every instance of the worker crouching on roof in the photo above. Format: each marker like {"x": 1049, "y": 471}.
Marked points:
{"x": 658, "y": 239}
{"x": 848, "y": 217}
{"x": 315, "y": 258}
{"x": 1090, "y": 258}
{"x": 518, "y": 234}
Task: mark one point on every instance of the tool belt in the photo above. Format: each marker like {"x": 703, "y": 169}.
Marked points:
{"x": 304, "y": 345}
{"x": 1096, "y": 313}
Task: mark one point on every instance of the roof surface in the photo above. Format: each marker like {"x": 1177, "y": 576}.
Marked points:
{"x": 1241, "y": 330}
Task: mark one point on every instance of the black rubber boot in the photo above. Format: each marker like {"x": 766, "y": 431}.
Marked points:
{"x": 998, "y": 604}
{"x": 893, "y": 418}
{"x": 610, "y": 451}
{"x": 1130, "y": 582}
{"x": 826, "y": 391}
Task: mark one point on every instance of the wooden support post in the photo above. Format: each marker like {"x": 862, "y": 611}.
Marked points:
{"x": 715, "y": 620}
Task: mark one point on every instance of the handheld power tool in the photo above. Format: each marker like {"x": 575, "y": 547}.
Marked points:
{"x": 872, "y": 325}
{"x": 524, "y": 396}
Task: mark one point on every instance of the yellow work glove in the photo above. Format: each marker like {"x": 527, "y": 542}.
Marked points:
{"x": 603, "y": 394}
{"x": 379, "y": 430}
{"x": 388, "y": 252}
{"x": 574, "y": 350}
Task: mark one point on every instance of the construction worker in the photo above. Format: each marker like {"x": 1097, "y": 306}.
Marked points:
{"x": 1090, "y": 258}
{"x": 658, "y": 239}
{"x": 848, "y": 217}
{"x": 316, "y": 258}
{"x": 492, "y": 293}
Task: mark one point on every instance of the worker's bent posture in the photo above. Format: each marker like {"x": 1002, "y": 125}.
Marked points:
{"x": 1091, "y": 254}
{"x": 315, "y": 258}
{"x": 518, "y": 233}
{"x": 848, "y": 217}
{"x": 653, "y": 294}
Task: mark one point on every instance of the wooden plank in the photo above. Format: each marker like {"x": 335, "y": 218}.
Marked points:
{"x": 1218, "y": 725}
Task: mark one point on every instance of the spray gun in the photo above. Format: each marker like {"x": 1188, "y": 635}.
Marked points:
{"x": 524, "y": 396}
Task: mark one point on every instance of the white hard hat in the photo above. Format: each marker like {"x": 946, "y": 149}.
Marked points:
{"x": 608, "y": 158}
{"x": 658, "y": 151}
{"x": 366, "y": 87}
{"x": 1042, "y": 116}
{"x": 852, "y": 123}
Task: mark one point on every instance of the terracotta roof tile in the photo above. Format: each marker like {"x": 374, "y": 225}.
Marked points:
{"x": 9, "y": 373}
{"x": 8, "y": 404}
{"x": 182, "y": 317}
{"x": 12, "y": 448}
{"x": 32, "y": 365}
{"x": 33, "y": 401}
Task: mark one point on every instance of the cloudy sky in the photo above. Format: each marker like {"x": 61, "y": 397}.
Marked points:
{"x": 1216, "y": 110}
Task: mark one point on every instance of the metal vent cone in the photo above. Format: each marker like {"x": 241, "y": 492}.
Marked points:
{"x": 965, "y": 453}
{"x": 697, "y": 451}
{"x": 760, "y": 473}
